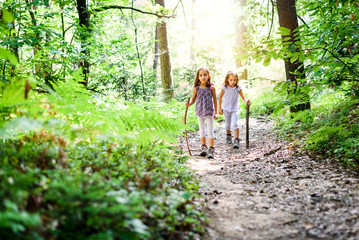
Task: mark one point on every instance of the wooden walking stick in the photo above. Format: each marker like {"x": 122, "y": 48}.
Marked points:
{"x": 247, "y": 125}
{"x": 185, "y": 130}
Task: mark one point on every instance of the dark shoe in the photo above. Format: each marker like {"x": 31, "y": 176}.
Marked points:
{"x": 236, "y": 143}
{"x": 210, "y": 152}
{"x": 204, "y": 151}
{"x": 229, "y": 139}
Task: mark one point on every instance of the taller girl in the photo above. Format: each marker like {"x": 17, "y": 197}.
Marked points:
{"x": 204, "y": 94}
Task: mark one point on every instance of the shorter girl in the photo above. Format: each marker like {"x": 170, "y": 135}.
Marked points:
{"x": 230, "y": 107}
{"x": 204, "y": 95}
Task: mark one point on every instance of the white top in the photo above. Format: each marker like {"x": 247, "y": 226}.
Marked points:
{"x": 230, "y": 98}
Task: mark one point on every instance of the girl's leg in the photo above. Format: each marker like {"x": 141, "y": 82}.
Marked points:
{"x": 210, "y": 130}
{"x": 227, "y": 120}
{"x": 236, "y": 129}
{"x": 211, "y": 142}
{"x": 202, "y": 135}
{"x": 236, "y": 133}
{"x": 202, "y": 129}
{"x": 227, "y": 127}
{"x": 234, "y": 122}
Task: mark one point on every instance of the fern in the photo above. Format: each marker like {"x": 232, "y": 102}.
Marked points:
{"x": 70, "y": 110}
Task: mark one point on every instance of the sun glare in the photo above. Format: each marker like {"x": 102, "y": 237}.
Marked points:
{"x": 207, "y": 26}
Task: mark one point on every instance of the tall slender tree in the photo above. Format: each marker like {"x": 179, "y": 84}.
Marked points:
{"x": 84, "y": 23}
{"x": 31, "y": 7}
{"x": 241, "y": 31}
{"x": 294, "y": 70}
{"x": 155, "y": 59}
{"x": 193, "y": 36}
{"x": 165, "y": 60}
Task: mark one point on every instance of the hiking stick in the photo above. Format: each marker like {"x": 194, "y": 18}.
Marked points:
{"x": 247, "y": 126}
{"x": 185, "y": 130}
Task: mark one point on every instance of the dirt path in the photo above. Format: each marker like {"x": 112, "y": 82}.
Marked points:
{"x": 272, "y": 191}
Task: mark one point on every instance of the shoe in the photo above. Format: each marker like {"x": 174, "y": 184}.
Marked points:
{"x": 204, "y": 151}
{"x": 210, "y": 152}
{"x": 229, "y": 139}
{"x": 236, "y": 143}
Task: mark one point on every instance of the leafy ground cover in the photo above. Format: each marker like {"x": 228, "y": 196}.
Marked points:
{"x": 330, "y": 128}
{"x": 102, "y": 192}
{"x": 93, "y": 168}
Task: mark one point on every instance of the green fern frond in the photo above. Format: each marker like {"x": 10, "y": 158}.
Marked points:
{"x": 74, "y": 111}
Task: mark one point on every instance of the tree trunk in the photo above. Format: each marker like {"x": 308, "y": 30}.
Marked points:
{"x": 287, "y": 14}
{"x": 155, "y": 60}
{"x": 165, "y": 61}
{"x": 193, "y": 36}
{"x": 84, "y": 18}
{"x": 37, "y": 46}
{"x": 241, "y": 31}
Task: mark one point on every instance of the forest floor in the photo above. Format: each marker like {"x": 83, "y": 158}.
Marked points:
{"x": 273, "y": 190}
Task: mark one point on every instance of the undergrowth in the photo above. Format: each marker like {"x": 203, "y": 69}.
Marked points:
{"x": 330, "y": 128}
{"x": 74, "y": 165}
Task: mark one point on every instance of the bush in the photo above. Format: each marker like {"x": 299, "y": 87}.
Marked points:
{"x": 331, "y": 127}
{"x": 128, "y": 192}
{"x": 94, "y": 168}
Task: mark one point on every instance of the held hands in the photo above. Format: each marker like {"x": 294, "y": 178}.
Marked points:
{"x": 248, "y": 102}
{"x": 221, "y": 111}
{"x": 215, "y": 116}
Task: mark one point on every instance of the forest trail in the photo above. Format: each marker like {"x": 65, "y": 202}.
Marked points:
{"x": 272, "y": 190}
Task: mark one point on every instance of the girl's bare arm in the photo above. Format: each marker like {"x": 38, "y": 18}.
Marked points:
{"x": 215, "y": 103}
{"x": 193, "y": 98}
{"x": 220, "y": 102}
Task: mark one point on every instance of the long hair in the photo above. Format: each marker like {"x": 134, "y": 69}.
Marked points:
{"x": 196, "y": 80}
{"x": 230, "y": 73}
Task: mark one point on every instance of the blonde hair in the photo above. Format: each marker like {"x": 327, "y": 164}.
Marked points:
{"x": 231, "y": 73}
{"x": 196, "y": 80}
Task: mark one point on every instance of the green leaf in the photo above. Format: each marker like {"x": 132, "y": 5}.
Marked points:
{"x": 7, "y": 16}
{"x": 284, "y": 31}
{"x": 7, "y": 55}
{"x": 266, "y": 61}
{"x": 292, "y": 48}
{"x": 293, "y": 59}
{"x": 278, "y": 107}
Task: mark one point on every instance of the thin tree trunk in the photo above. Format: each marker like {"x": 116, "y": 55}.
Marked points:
{"x": 193, "y": 36}
{"x": 84, "y": 18}
{"x": 155, "y": 60}
{"x": 48, "y": 67}
{"x": 241, "y": 31}
{"x": 138, "y": 54}
{"x": 167, "y": 83}
{"x": 36, "y": 48}
{"x": 287, "y": 14}
{"x": 63, "y": 38}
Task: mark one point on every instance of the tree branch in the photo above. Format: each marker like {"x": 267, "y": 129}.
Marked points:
{"x": 271, "y": 25}
{"x": 301, "y": 19}
{"x": 331, "y": 53}
{"x": 350, "y": 69}
{"x": 130, "y": 8}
